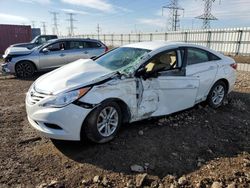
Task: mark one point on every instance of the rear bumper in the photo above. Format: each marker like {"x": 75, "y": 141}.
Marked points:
{"x": 231, "y": 80}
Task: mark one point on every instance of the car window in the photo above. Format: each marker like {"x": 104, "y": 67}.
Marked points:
{"x": 51, "y": 37}
{"x": 213, "y": 57}
{"x": 76, "y": 45}
{"x": 92, "y": 44}
{"x": 195, "y": 55}
{"x": 56, "y": 46}
{"x": 162, "y": 62}
{"x": 42, "y": 40}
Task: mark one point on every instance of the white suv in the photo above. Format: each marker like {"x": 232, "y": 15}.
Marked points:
{"x": 93, "y": 98}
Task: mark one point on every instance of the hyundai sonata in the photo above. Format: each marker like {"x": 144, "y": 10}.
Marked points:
{"x": 93, "y": 98}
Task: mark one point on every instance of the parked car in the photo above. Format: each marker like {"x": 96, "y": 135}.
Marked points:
{"x": 37, "y": 41}
{"x": 93, "y": 98}
{"x": 24, "y": 62}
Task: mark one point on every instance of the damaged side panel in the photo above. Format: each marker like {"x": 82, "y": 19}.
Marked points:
{"x": 140, "y": 97}
{"x": 148, "y": 97}
{"x": 123, "y": 89}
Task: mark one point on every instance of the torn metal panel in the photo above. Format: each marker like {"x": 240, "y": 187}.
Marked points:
{"x": 148, "y": 100}
{"x": 117, "y": 88}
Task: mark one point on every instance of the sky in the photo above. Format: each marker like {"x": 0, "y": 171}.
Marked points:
{"x": 120, "y": 16}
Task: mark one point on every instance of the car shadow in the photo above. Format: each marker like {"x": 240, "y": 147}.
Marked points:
{"x": 175, "y": 144}
{"x": 34, "y": 77}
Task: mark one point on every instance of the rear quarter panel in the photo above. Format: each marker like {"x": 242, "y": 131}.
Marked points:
{"x": 225, "y": 71}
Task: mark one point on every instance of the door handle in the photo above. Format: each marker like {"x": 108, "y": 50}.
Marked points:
{"x": 86, "y": 52}
{"x": 62, "y": 55}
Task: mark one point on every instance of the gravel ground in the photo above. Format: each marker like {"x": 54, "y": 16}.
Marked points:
{"x": 199, "y": 147}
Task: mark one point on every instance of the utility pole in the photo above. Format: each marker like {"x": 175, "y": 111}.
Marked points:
{"x": 98, "y": 31}
{"x": 174, "y": 16}
{"x": 207, "y": 16}
{"x": 33, "y": 23}
{"x": 55, "y": 22}
{"x": 71, "y": 23}
{"x": 44, "y": 27}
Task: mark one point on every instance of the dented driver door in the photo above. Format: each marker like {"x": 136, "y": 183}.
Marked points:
{"x": 163, "y": 87}
{"x": 165, "y": 94}
{"x": 147, "y": 95}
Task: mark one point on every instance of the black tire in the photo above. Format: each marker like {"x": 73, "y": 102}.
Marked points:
{"x": 91, "y": 127}
{"x": 211, "y": 95}
{"x": 25, "y": 69}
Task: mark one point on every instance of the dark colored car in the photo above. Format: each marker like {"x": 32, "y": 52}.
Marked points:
{"x": 37, "y": 41}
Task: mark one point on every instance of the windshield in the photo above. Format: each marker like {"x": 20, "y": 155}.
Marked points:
{"x": 121, "y": 58}
{"x": 34, "y": 40}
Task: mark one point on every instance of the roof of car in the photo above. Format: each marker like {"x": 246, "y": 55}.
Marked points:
{"x": 76, "y": 39}
{"x": 154, "y": 45}
{"x": 157, "y": 46}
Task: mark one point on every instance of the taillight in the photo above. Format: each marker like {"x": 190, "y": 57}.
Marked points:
{"x": 234, "y": 65}
{"x": 106, "y": 49}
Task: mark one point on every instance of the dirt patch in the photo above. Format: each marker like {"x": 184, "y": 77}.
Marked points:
{"x": 199, "y": 147}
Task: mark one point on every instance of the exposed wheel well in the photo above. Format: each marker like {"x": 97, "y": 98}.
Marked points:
{"x": 126, "y": 115}
{"x": 26, "y": 61}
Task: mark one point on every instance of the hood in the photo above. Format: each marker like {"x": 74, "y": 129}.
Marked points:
{"x": 21, "y": 44}
{"x": 16, "y": 51}
{"x": 72, "y": 76}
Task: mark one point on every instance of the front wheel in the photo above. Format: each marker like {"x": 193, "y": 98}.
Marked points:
{"x": 25, "y": 69}
{"x": 103, "y": 123}
{"x": 217, "y": 94}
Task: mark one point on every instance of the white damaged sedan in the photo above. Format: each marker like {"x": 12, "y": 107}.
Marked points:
{"x": 93, "y": 98}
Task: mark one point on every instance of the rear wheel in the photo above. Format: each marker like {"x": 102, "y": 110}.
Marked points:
{"x": 25, "y": 69}
{"x": 104, "y": 122}
{"x": 217, "y": 94}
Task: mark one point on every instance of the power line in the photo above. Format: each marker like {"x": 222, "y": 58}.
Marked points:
{"x": 44, "y": 27}
{"x": 71, "y": 23}
{"x": 207, "y": 16}
{"x": 55, "y": 22}
{"x": 174, "y": 18}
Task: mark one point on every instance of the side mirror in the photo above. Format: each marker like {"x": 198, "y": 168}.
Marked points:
{"x": 140, "y": 72}
{"x": 37, "y": 42}
{"x": 45, "y": 50}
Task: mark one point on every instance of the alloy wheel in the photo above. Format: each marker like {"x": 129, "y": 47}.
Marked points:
{"x": 218, "y": 94}
{"x": 107, "y": 121}
{"x": 24, "y": 70}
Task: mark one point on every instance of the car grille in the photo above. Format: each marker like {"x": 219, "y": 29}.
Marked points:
{"x": 34, "y": 97}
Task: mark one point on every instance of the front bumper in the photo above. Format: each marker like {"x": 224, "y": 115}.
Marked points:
{"x": 5, "y": 68}
{"x": 8, "y": 68}
{"x": 69, "y": 119}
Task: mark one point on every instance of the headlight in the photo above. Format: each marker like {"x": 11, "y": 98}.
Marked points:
{"x": 64, "y": 99}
